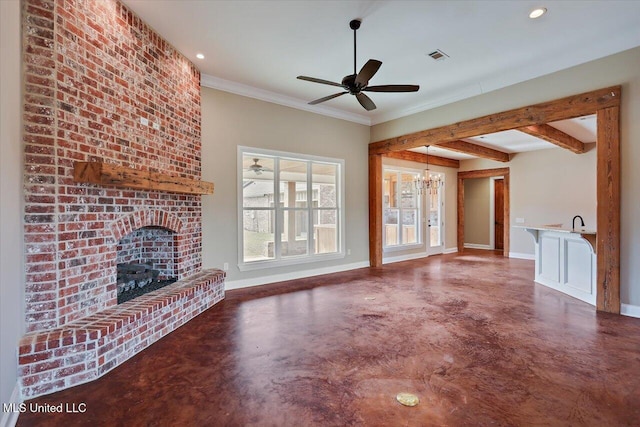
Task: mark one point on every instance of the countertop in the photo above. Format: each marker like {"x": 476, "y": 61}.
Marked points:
{"x": 556, "y": 227}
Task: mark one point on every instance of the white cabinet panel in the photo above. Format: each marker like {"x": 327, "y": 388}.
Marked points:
{"x": 550, "y": 258}
{"x": 578, "y": 268}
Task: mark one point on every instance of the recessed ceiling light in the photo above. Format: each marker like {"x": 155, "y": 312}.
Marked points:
{"x": 200, "y": 56}
{"x": 537, "y": 13}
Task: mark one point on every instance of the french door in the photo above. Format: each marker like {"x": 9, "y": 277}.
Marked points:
{"x": 435, "y": 215}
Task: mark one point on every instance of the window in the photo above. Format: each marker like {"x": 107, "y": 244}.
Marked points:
{"x": 401, "y": 209}
{"x": 290, "y": 208}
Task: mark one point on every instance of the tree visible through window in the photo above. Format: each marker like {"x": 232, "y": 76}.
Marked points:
{"x": 291, "y": 207}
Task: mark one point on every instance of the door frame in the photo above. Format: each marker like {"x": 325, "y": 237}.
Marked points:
{"x": 492, "y": 208}
{"x": 483, "y": 173}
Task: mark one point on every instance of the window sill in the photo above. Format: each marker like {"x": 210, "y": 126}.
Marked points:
{"x": 259, "y": 265}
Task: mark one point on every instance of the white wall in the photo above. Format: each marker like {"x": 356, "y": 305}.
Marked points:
{"x": 620, "y": 69}
{"x": 230, "y": 120}
{"x": 11, "y": 271}
{"x": 547, "y": 187}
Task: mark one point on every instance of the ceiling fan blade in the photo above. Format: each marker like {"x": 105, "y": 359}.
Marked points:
{"x": 326, "y": 98}
{"x": 392, "y": 88}
{"x": 365, "y": 101}
{"x": 367, "y": 71}
{"x": 324, "y": 82}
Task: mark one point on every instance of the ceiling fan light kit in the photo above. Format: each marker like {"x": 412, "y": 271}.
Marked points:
{"x": 357, "y": 83}
{"x": 258, "y": 168}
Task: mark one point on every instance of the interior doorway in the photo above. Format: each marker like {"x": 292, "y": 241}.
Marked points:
{"x": 496, "y": 174}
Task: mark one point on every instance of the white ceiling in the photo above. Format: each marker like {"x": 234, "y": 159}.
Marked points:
{"x": 257, "y": 48}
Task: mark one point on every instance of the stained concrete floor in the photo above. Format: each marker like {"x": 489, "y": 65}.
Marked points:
{"x": 470, "y": 334}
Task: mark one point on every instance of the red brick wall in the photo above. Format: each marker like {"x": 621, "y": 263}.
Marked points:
{"x": 92, "y": 70}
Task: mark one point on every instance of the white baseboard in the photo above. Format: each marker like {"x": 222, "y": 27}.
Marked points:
{"x": 408, "y": 257}
{"x": 10, "y": 418}
{"x": 520, "y": 255}
{"x": 389, "y": 260}
{"x": 477, "y": 246}
{"x": 264, "y": 280}
{"x": 630, "y": 310}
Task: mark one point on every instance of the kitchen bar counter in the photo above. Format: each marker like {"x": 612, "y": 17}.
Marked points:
{"x": 565, "y": 259}
{"x": 557, "y": 227}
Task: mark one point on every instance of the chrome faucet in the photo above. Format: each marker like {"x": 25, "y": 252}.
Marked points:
{"x": 573, "y": 224}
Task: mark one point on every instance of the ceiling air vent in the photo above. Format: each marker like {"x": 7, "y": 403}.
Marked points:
{"x": 438, "y": 55}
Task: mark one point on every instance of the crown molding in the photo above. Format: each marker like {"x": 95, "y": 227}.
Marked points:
{"x": 458, "y": 95}
{"x": 213, "y": 82}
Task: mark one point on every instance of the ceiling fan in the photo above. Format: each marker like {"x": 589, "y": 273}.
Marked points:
{"x": 357, "y": 83}
{"x": 258, "y": 168}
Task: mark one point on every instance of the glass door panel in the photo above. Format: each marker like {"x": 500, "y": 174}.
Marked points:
{"x": 435, "y": 217}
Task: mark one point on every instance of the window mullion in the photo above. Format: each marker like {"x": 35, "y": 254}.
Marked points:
{"x": 311, "y": 232}
{"x": 400, "y": 210}
{"x": 278, "y": 211}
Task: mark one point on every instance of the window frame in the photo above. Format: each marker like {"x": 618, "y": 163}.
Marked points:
{"x": 309, "y": 257}
{"x": 420, "y": 214}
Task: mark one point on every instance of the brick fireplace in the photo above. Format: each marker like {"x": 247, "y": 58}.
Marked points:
{"x": 101, "y": 86}
{"x": 152, "y": 245}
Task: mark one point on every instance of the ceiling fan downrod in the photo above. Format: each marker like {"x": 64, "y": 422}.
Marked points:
{"x": 354, "y": 25}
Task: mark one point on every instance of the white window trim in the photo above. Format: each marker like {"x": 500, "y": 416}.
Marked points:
{"x": 293, "y": 260}
{"x": 421, "y": 209}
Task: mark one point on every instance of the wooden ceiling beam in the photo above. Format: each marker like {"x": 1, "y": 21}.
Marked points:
{"x": 560, "y": 109}
{"x": 554, "y": 136}
{"x": 476, "y": 150}
{"x": 423, "y": 158}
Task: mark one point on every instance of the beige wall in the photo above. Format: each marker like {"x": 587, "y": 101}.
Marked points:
{"x": 230, "y": 120}
{"x": 547, "y": 187}
{"x": 11, "y": 271}
{"x": 616, "y": 69}
{"x": 450, "y": 205}
{"x": 476, "y": 211}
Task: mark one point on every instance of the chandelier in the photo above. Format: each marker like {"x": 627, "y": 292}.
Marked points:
{"x": 428, "y": 184}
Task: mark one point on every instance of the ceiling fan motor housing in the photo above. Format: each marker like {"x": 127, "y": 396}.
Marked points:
{"x": 350, "y": 84}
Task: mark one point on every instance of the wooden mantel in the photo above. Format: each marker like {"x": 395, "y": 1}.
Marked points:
{"x": 122, "y": 176}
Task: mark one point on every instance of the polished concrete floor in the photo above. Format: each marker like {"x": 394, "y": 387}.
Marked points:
{"x": 471, "y": 335}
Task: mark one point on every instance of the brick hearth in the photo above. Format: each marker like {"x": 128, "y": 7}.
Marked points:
{"x": 100, "y": 85}
{"x": 84, "y": 350}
